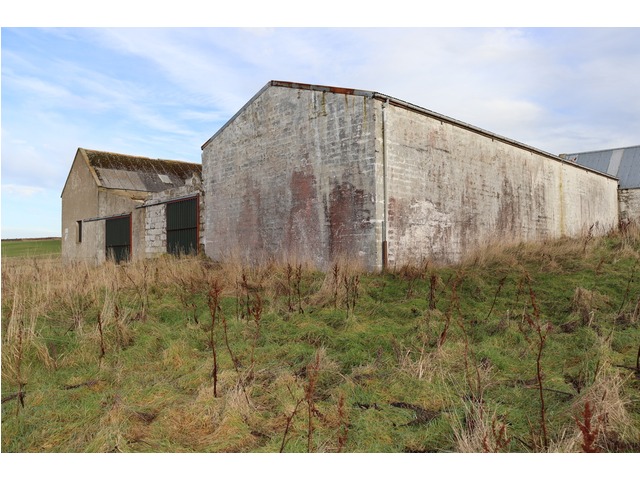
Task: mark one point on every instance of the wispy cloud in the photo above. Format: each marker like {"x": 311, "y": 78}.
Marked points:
{"x": 21, "y": 190}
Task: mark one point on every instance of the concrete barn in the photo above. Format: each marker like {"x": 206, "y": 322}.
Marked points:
{"x": 317, "y": 173}
{"x": 129, "y": 207}
{"x": 624, "y": 164}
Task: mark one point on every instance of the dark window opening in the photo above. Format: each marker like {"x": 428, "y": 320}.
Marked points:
{"x": 79, "y": 228}
{"x": 118, "y": 238}
{"x": 182, "y": 227}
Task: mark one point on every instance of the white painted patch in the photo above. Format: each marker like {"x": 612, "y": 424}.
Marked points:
{"x": 428, "y": 230}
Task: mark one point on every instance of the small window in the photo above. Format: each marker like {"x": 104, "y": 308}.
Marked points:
{"x": 165, "y": 179}
{"x": 79, "y": 224}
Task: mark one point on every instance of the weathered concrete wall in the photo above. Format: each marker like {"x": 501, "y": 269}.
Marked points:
{"x": 293, "y": 175}
{"x": 452, "y": 190}
{"x": 155, "y": 218}
{"x": 299, "y": 171}
{"x": 83, "y": 200}
{"x": 113, "y": 203}
{"x": 630, "y": 205}
{"x": 155, "y": 226}
{"x": 79, "y": 202}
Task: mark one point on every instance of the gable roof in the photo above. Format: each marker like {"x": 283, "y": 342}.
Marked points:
{"x": 622, "y": 163}
{"x": 118, "y": 171}
{"x": 402, "y": 104}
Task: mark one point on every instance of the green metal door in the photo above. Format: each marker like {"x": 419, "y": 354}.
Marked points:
{"x": 118, "y": 238}
{"x": 182, "y": 227}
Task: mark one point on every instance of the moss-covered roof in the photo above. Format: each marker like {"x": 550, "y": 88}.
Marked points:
{"x": 129, "y": 172}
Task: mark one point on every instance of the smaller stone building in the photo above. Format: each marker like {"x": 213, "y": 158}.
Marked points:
{"x": 624, "y": 164}
{"x": 129, "y": 207}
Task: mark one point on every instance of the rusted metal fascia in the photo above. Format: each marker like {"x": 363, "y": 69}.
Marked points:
{"x": 170, "y": 200}
{"x": 107, "y": 217}
{"x": 322, "y": 88}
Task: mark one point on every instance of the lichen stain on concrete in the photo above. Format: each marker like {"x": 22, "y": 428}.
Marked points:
{"x": 303, "y": 234}
{"x": 507, "y": 210}
{"x": 347, "y": 219}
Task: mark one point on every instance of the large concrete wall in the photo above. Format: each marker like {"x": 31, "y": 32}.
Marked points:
{"x": 452, "y": 190}
{"x": 293, "y": 175}
{"x": 300, "y": 172}
{"x": 630, "y": 205}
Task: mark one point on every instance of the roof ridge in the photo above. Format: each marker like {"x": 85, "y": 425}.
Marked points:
{"x": 139, "y": 156}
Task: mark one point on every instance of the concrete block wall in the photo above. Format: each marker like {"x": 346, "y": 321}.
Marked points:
{"x": 299, "y": 172}
{"x": 293, "y": 175}
{"x": 629, "y": 199}
{"x": 155, "y": 230}
{"x": 452, "y": 190}
{"x": 155, "y": 218}
{"x": 79, "y": 202}
{"x": 114, "y": 203}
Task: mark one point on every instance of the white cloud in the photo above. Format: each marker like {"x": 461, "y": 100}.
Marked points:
{"x": 21, "y": 190}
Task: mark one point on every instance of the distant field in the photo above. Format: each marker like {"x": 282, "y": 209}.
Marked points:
{"x": 31, "y": 247}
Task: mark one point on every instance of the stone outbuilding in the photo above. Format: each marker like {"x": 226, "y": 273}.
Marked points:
{"x": 624, "y": 164}
{"x": 317, "y": 173}
{"x": 129, "y": 207}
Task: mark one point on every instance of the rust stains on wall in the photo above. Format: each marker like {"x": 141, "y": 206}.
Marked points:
{"x": 347, "y": 218}
{"x": 303, "y": 233}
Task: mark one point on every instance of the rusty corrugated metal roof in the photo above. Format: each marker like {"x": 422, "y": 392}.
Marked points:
{"x": 622, "y": 163}
{"x": 129, "y": 172}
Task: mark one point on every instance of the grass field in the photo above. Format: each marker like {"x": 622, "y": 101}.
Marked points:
{"x": 31, "y": 247}
{"x": 530, "y": 348}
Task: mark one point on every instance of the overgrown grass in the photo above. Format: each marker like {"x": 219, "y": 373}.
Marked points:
{"x": 528, "y": 348}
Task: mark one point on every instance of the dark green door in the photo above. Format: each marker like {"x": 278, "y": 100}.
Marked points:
{"x": 118, "y": 238}
{"x": 182, "y": 227}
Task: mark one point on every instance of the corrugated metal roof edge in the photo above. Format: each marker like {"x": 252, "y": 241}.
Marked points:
{"x": 401, "y": 103}
{"x": 599, "y": 151}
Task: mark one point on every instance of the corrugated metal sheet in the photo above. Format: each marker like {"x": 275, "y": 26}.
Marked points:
{"x": 128, "y": 172}
{"x": 182, "y": 227}
{"x": 118, "y": 238}
{"x": 622, "y": 163}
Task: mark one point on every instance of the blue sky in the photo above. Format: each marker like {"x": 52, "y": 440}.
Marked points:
{"x": 162, "y": 93}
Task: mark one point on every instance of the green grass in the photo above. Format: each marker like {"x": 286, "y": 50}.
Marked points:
{"x": 31, "y": 248}
{"x": 388, "y": 380}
